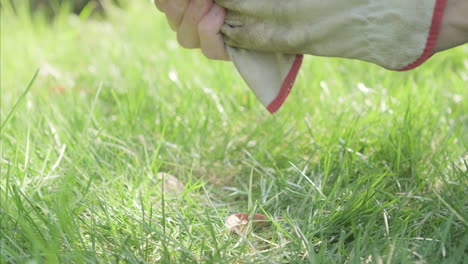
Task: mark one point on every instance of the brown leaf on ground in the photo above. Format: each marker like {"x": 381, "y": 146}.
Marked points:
{"x": 57, "y": 89}
{"x": 241, "y": 224}
{"x": 172, "y": 185}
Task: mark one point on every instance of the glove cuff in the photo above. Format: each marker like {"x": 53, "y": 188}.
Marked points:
{"x": 270, "y": 76}
{"x": 432, "y": 37}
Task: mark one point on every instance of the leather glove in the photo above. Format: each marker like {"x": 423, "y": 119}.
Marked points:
{"x": 265, "y": 38}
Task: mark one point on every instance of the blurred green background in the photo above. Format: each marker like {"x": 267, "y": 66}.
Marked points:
{"x": 54, "y": 7}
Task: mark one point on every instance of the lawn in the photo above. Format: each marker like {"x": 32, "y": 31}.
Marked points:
{"x": 363, "y": 165}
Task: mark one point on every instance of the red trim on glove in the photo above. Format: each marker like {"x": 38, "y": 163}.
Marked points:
{"x": 432, "y": 37}
{"x": 286, "y": 86}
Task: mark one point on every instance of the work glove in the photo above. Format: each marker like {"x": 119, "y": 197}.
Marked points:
{"x": 266, "y": 38}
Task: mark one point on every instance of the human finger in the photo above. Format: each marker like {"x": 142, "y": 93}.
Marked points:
{"x": 187, "y": 35}
{"x": 211, "y": 40}
{"x": 160, "y": 4}
{"x": 174, "y": 10}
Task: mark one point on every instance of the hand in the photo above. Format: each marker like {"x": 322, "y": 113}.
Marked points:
{"x": 198, "y": 24}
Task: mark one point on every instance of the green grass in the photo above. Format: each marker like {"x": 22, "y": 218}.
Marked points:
{"x": 358, "y": 175}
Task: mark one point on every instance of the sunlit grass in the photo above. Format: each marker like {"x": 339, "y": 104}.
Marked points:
{"x": 362, "y": 164}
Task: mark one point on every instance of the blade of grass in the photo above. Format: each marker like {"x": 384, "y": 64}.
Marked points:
{"x": 20, "y": 99}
